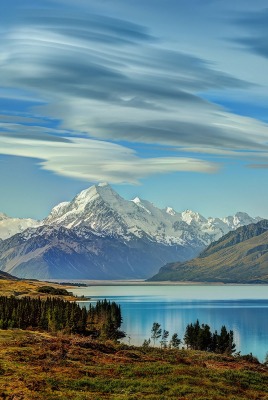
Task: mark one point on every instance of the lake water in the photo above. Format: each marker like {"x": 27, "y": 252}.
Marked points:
{"x": 244, "y": 309}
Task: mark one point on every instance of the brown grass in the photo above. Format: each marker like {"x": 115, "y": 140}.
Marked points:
{"x": 20, "y": 288}
{"x": 38, "y": 366}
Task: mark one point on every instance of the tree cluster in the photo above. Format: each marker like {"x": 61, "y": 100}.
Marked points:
{"x": 106, "y": 318}
{"x": 53, "y": 291}
{"x": 157, "y": 333}
{"x": 199, "y": 337}
{"x": 55, "y": 315}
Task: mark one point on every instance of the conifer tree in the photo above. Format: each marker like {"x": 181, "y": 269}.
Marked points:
{"x": 175, "y": 341}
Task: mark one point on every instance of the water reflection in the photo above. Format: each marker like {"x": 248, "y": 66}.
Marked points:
{"x": 175, "y": 308}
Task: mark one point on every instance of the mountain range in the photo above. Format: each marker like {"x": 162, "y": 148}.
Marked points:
{"x": 6, "y": 276}
{"x": 100, "y": 235}
{"x": 11, "y": 226}
{"x": 240, "y": 256}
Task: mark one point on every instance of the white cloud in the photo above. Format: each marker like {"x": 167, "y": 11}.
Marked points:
{"x": 94, "y": 160}
{"x": 111, "y": 80}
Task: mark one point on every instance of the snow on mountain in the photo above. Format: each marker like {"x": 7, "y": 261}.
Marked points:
{"x": 11, "y": 226}
{"x": 100, "y": 235}
{"x": 104, "y": 211}
{"x": 50, "y": 252}
{"x": 239, "y": 219}
{"x": 169, "y": 210}
{"x": 190, "y": 216}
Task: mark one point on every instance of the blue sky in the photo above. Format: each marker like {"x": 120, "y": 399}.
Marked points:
{"x": 166, "y": 100}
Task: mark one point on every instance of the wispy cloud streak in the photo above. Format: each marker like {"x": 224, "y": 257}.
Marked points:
{"x": 110, "y": 80}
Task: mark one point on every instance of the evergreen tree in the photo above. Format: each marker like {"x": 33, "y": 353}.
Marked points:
{"x": 204, "y": 338}
{"x": 175, "y": 341}
{"x": 58, "y": 315}
{"x": 200, "y": 338}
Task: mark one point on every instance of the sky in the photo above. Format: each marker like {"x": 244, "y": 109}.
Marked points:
{"x": 164, "y": 99}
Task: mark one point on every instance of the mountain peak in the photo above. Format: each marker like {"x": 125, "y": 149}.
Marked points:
{"x": 140, "y": 204}
{"x": 241, "y": 214}
{"x": 98, "y": 224}
{"x": 137, "y": 200}
{"x": 170, "y": 211}
{"x": 103, "y": 190}
{"x": 103, "y": 184}
{"x": 188, "y": 216}
{"x": 103, "y": 210}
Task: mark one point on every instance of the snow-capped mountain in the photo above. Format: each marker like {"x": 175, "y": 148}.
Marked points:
{"x": 11, "y": 226}
{"x": 100, "y": 235}
{"x": 104, "y": 211}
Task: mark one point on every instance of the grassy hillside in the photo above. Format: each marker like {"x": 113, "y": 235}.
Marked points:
{"x": 41, "y": 366}
{"x": 238, "y": 257}
{"x": 36, "y": 366}
{"x": 11, "y": 286}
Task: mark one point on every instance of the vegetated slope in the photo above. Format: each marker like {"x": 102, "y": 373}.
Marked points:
{"x": 39, "y": 366}
{"x": 100, "y": 235}
{"x": 238, "y": 257}
{"x": 18, "y": 288}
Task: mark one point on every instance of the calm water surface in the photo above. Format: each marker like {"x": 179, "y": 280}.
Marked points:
{"x": 244, "y": 309}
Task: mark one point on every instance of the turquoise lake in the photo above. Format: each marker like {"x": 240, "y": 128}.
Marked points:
{"x": 242, "y": 308}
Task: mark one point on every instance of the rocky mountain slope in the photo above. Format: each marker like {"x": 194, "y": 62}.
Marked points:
{"x": 100, "y": 235}
{"x": 240, "y": 256}
{"x": 62, "y": 253}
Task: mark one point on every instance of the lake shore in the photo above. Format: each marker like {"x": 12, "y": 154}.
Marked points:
{"x": 142, "y": 282}
{"x": 242, "y": 308}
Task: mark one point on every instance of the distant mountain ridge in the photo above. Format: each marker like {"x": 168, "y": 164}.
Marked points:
{"x": 10, "y": 226}
{"x": 6, "y": 276}
{"x": 104, "y": 211}
{"x": 100, "y": 235}
{"x": 241, "y": 256}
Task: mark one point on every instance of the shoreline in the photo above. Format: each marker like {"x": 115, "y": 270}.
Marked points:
{"x": 137, "y": 282}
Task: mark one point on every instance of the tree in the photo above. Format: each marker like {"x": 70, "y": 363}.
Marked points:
{"x": 214, "y": 342}
{"x": 146, "y": 343}
{"x": 156, "y": 331}
{"x": 204, "y": 338}
{"x": 164, "y": 337}
{"x": 59, "y": 315}
{"x": 226, "y": 341}
{"x": 175, "y": 341}
{"x": 200, "y": 338}
{"x": 190, "y": 336}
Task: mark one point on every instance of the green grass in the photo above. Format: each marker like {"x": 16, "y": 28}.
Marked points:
{"x": 37, "y": 366}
